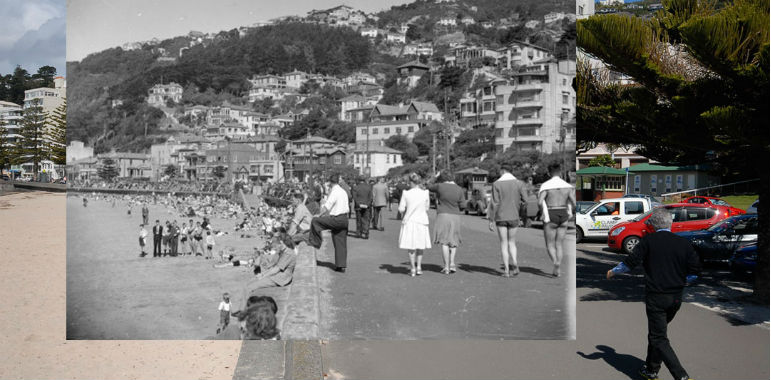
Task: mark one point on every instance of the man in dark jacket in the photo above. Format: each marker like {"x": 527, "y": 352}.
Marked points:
{"x": 157, "y": 237}
{"x": 669, "y": 262}
{"x": 362, "y": 203}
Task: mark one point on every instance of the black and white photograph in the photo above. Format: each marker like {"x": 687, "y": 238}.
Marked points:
{"x": 361, "y": 171}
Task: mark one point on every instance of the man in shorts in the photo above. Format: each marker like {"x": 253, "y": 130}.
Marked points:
{"x": 557, "y": 200}
{"x": 509, "y": 196}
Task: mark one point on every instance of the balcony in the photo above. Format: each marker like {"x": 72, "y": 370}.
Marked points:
{"x": 528, "y": 104}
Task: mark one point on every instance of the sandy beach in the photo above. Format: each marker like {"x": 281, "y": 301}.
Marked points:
{"x": 33, "y": 317}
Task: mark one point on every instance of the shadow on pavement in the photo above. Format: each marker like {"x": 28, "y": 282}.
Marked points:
{"x": 591, "y": 274}
{"x": 623, "y": 363}
{"x": 480, "y": 269}
{"x": 396, "y": 269}
{"x": 535, "y": 271}
{"x": 326, "y": 264}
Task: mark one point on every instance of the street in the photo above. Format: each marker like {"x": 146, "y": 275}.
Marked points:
{"x": 377, "y": 299}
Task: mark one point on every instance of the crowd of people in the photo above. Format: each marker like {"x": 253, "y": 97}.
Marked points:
{"x": 292, "y": 213}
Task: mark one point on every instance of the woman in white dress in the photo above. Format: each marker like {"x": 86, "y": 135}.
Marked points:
{"x": 414, "y": 235}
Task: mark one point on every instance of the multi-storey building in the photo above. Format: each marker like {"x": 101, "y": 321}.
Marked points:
{"x": 295, "y": 79}
{"x": 313, "y": 154}
{"x": 520, "y": 54}
{"x": 377, "y": 160}
{"x": 11, "y": 115}
{"x": 129, "y": 165}
{"x": 477, "y": 108}
{"x": 159, "y": 94}
{"x": 385, "y": 121}
{"x": 411, "y": 72}
{"x": 535, "y": 107}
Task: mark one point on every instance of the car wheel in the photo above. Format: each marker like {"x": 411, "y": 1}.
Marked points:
{"x": 629, "y": 243}
{"x": 579, "y": 235}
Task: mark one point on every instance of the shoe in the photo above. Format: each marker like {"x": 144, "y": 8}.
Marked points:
{"x": 419, "y": 271}
{"x": 446, "y": 271}
{"x": 648, "y": 374}
{"x": 556, "y": 271}
{"x": 365, "y": 237}
{"x": 506, "y": 274}
{"x": 340, "y": 269}
{"x": 453, "y": 269}
{"x": 515, "y": 271}
{"x": 412, "y": 272}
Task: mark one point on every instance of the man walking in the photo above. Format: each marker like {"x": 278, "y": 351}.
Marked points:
{"x": 145, "y": 214}
{"x": 362, "y": 203}
{"x": 157, "y": 238}
{"x": 174, "y": 239}
{"x": 669, "y": 262}
{"x": 557, "y": 200}
{"x": 333, "y": 216}
{"x": 379, "y": 200}
{"x": 509, "y": 195}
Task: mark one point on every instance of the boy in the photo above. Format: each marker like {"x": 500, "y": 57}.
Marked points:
{"x": 142, "y": 239}
{"x": 224, "y": 309}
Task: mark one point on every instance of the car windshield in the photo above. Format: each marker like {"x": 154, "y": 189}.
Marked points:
{"x": 642, "y": 216}
{"x": 719, "y": 202}
{"x": 724, "y": 225}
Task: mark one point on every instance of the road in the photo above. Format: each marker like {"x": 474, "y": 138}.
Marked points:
{"x": 377, "y": 299}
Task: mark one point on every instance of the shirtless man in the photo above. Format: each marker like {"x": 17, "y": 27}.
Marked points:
{"x": 557, "y": 200}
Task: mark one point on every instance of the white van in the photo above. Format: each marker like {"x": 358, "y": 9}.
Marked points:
{"x": 598, "y": 220}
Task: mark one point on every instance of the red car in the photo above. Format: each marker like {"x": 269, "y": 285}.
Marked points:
{"x": 685, "y": 217}
{"x": 716, "y": 202}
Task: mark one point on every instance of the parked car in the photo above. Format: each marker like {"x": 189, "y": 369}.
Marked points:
{"x": 654, "y": 202}
{"x": 714, "y": 201}
{"x": 582, "y": 206}
{"x": 685, "y": 217}
{"x": 753, "y": 209}
{"x": 719, "y": 242}
{"x": 5, "y": 177}
{"x": 477, "y": 202}
{"x": 597, "y": 221}
{"x": 744, "y": 261}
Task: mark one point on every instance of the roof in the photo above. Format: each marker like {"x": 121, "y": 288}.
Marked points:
{"x": 3, "y": 102}
{"x": 473, "y": 171}
{"x": 604, "y": 170}
{"x": 379, "y": 149}
{"x": 662, "y": 168}
{"x": 385, "y": 109}
{"x": 413, "y": 64}
{"x": 353, "y": 98}
{"x": 127, "y": 155}
{"x": 314, "y": 139}
{"x": 425, "y": 106}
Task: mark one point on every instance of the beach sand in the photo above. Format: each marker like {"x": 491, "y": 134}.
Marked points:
{"x": 32, "y": 316}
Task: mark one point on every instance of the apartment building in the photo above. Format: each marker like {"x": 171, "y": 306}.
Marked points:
{"x": 535, "y": 108}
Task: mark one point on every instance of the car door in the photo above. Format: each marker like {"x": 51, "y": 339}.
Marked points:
{"x": 603, "y": 217}
{"x": 694, "y": 218}
{"x": 743, "y": 233}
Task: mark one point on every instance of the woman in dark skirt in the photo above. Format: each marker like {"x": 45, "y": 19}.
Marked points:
{"x": 449, "y": 201}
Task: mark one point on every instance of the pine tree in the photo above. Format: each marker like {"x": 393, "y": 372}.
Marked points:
{"x": 32, "y": 146}
{"x": 701, "y": 91}
{"x": 108, "y": 170}
{"x": 6, "y": 150}
{"x": 57, "y": 134}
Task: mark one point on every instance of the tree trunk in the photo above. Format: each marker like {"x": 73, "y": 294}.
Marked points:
{"x": 761, "y": 285}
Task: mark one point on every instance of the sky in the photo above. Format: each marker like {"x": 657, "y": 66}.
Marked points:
{"x": 96, "y": 25}
{"x": 32, "y": 34}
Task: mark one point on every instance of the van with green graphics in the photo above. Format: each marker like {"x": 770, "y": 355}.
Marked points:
{"x": 595, "y": 222}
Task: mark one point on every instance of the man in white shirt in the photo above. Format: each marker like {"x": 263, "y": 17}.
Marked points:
{"x": 334, "y": 217}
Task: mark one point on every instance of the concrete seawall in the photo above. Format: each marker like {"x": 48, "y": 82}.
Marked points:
{"x": 53, "y": 187}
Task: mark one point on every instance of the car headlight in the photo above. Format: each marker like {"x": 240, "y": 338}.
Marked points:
{"x": 617, "y": 231}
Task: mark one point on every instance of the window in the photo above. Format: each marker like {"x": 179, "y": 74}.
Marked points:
{"x": 356, "y": 158}
{"x": 488, "y": 90}
{"x": 388, "y": 158}
{"x": 654, "y": 184}
{"x": 679, "y": 183}
{"x": 364, "y": 131}
{"x": 338, "y": 160}
{"x": 633, "y": 208}
{"x": 387, "y": 130}
{"x": 398, "y": 130}
{"x": 410, "y": 129}
{"x": 694, "y": 213}
{"x": 564, "y": 82}
{"x": 369, "y": 158}
{"x": 488, "y": 106}
{"x": 609, "y": 183}
{"x": 498, "y": 132}
{"x": 637, "y": 184}
{"x": 531, "y": 131}
{"x": 374, "y": 131}
{"x": 499, "y": 116}
{"x": 607, "y": 209}
{"x": 668, "y": 183}
{"x": 268, "y": 169}
{"x": 565, "y": 98}
{"x": 323, "y": 160}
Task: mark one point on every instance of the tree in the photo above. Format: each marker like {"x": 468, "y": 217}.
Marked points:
{"x": 108, "y": 170}
{"x": 602, "y": 160}
{"x": 46, "y": 74}
{"x": 701, "y": 92}
{"x": 474, "y": 143}
{"x": 400, "y": 142}
{"x": 219, "y": 172}
{"x": 6, "y": 150}
{"x": 32, "y": 146}
{"x": 57, "y": 134}
{"x": 171, "y": 171}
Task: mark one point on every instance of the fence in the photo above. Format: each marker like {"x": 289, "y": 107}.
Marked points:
{"x": 735, "y": 188}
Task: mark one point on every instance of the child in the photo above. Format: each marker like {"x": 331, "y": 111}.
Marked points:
{"x": 224, "y": 309}
{"x": 209, "y": 244}
{"x": 142, "y": 239}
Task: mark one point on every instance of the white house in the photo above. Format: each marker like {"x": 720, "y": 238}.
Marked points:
{"x": 161, "y": 93}
{"x": 377, "y": 160}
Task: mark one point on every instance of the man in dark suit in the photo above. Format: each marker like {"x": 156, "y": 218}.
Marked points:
{"x": 509, "y": 196}
{"x": 670, "y": 262}
{"x": 157, "y": 237}
{"x": 145, "y": 214}
{"x": 362, "y": 203}
{"x": 174, "y": 239}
